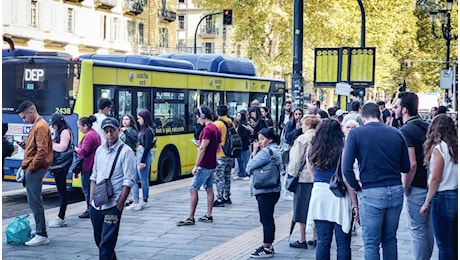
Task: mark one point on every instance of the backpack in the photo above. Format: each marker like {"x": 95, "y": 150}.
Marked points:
{"x": 233, "y": 144}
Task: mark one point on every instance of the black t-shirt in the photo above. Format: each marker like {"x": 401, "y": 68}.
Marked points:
{"x": 414, "y": 131}
{"x": 385, "y": 114}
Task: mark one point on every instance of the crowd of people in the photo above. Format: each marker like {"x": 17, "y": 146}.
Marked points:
{"x": 369, "y": 148}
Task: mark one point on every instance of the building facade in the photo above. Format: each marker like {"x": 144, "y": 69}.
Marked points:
{"x": 91, "y": 26}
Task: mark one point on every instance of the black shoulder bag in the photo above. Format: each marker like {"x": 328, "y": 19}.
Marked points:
{"x": 336, "y": 185}
{"x": 267, "y": 176}
{"x": 104, "y": 190}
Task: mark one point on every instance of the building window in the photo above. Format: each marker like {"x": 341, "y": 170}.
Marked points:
{"x": 181, "y": 20}
{"x": 70, "y": 20}
{"x": 131, "y": 31}
{"x": 181, "y": 1}
{"x": 163, "y": 38}
{"x": 141, "y": 33}
{"x": 114, "y": 32}
{"x": 209, "y": 47}
{"x": 34, "y": 14}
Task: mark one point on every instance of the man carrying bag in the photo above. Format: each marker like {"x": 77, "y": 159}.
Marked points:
{"x": 121, "y": 160}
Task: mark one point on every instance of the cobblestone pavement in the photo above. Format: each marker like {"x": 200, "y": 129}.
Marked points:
{"x": 152, "y": 232}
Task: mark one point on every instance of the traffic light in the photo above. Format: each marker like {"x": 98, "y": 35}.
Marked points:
{"x": 227, "y": 20}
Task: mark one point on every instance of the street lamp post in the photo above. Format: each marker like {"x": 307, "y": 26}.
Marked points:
{"x": 198, "y": 25}
{"x": 446, "y": 29}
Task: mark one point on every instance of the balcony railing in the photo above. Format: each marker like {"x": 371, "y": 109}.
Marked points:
{"x": 105, "y": 4}
{"x": 167, "y": 15}
{"x": 133, "y": 7}
{"x": 209, "y": 32}
{"x": 74, "y": 1}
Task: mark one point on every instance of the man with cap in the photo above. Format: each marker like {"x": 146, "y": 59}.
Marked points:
{"x": 116, "y": 155}
{"x": 38, "y": 155}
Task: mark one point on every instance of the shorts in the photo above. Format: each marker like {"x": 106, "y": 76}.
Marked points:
{"x": 203, "y": 177}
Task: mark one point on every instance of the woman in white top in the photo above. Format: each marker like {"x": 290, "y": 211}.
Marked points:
{"x": 441, "y": 157}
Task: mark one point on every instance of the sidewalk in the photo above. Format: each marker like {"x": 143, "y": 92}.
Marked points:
{"x": 152, "y": 233}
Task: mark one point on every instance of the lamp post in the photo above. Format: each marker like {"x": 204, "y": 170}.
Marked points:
{"x": 446, "y": 29}
{"x": 198, "y": 25}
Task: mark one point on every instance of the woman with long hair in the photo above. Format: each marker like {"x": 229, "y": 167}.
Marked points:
{"x": 328, "y": 213}
{"x": 128, "y": 131}
{"x": 87, "y": 149}
{"x": 256, "y": 121}
{"x": 62, "y": 139}
{"x": 266, "y": 198}
{"x": 242, "y": 128}
{"x": 441, "y": 158}
{"x": 265, "y": 113}
{"x": 144, "y": 158}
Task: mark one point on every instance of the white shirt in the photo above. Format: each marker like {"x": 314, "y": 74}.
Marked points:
{"x": 97, "y": 125}
{"x": 449, "y": 180}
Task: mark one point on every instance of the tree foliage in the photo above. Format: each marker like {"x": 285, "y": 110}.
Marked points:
{"x": 398, "y": 29}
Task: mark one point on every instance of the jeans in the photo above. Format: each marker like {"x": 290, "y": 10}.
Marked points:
{"x": 222, "y": 177}
{"x": 106, "y": 224}
{"x": 266, "y": 203}
{"x": 444, "y": 217}
{"x": 324, "y": 231}
{"x": 34, "y": 184}
{"x": 142, "y": 175}
{"x": 242, "y": 162}
{"x": 60, "y": 178}
{"x": 379, "y": 211}
{"x": 85, "y": 186}
{"x": 419, "y": 226}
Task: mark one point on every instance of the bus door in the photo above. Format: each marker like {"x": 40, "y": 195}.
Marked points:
{"x": 105, "y": 92}
{"x": 125, "y": 104}
{"x": 212, "y": 99}
{"x": 237, "y": 101}
{"x": 276, "y": 108}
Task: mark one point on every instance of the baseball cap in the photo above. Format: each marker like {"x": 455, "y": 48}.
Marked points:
{"x": 56, "y": 117}
{"x": 110, "y": 121}
{"x": 340, "y": 112}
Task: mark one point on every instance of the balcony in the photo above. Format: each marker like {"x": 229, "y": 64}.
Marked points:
{"x": 209, "y": 32}
{"x": 167, "y": 16}
{"x": 132, "y": 7}
{"x": 105, "y": 4}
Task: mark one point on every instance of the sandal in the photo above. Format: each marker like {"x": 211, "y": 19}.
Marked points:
{"x": 186, "y": 222}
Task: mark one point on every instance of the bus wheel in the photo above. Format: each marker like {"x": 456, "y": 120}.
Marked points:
{"x": 168, "y": 166}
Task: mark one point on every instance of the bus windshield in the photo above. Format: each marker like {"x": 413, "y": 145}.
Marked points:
{"x": 48, "y": 82}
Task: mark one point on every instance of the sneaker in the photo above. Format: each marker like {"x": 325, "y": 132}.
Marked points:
{"x": 84, "y": 215}
{"x": 218, "y": 203}
{"x": 298, "y": 244}
{"x": 38, "y": 241}
{"x": 205, "y": 219}
{"x": 312, "y": 243}
{"x": 227, "y": 201}
{"x": 186, "y": 222}
{"x": 236, "y": 177}
{"x": 57, "y": 222}
{"x": 144, "y": 204}
{"x": 246, "y": 178}
{"x": 262, "y": 252}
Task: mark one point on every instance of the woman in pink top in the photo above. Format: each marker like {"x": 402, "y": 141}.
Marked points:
{"x": 87, "y": 149}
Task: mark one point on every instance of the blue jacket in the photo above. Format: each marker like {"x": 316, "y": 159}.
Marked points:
{"x": 261, "y": 159}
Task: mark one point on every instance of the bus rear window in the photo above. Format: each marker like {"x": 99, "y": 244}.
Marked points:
{"x": 49, "y": 85}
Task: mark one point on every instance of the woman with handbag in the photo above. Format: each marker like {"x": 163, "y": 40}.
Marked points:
{"x": 441, "y": 158}
{"x": 297, "y": 168}
{"x": 266, "y": 155}
{"x": 327, "y": 212}
{"x": 62, "y": 142}
{"x": 87, "y": 150}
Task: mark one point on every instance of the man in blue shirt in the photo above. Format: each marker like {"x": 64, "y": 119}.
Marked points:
{"x": 381, "y": 151}
{"x": 106, "y": 218}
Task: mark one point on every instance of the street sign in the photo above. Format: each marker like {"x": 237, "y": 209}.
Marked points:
{"x": 343, "y": 89}
{"x": 353, "y": 65}
{"x": 447, "y": 79}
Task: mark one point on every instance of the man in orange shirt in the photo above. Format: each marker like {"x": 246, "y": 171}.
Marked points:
{"x": 38, "y": 155}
